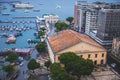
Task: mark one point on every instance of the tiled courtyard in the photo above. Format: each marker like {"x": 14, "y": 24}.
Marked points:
{"x": 104, "y": 73}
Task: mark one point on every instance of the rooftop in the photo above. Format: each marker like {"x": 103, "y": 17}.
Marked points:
{"x": 68, "y": 38}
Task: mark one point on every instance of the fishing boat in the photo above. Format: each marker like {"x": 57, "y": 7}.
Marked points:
{"x": 5, "y": 14}
{"x": 36, "y": 10}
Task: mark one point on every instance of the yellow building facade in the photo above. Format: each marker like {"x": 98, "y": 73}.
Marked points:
{"x": 84, "y": 47}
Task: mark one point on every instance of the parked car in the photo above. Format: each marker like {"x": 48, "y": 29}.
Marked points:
{"x": 21, "y": 64}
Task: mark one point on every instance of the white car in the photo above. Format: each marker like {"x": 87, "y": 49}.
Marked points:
{"x": 21, "y": 64}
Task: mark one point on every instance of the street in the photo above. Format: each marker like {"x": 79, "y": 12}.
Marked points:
{"x": 23, "y": 69}
{"x": 51, "y": 29}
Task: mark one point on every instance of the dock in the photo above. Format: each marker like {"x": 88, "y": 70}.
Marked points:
{"x": 11, "y": 2}
{"x": 19, "y": 17}
{"x": 23, "y": 6}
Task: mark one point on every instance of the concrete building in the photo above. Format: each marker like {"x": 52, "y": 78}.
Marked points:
{"x": 91, "y": 20}
{"x": 108, "y": 25}
{"x": 80, "y": 15}
{"x": 116, "y": 46}
{"x": 99, "y": 20}
{"x": 51, "y": 18}
{"x": 71, "y": 41}
{"x": 86, "y": 14}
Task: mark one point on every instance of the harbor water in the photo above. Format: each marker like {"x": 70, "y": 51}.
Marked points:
{"x": 25, "y": 18}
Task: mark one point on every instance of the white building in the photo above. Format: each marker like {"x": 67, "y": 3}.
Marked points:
{"x": 81, "y": 14}
{"x": 91, "y": 20}
{"x": 51, "y": 18}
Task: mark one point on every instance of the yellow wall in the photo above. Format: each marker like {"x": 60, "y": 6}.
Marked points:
{"x": 84, "y": 50}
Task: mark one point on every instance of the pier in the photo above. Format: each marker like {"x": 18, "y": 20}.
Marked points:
{"x": 23, "y": 21}
{"x": 19, "y": 17}
{"x": 23, "y": 6}
{"x": 11, "y": 2}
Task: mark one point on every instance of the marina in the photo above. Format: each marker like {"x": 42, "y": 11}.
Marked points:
{"x": 21, "y": 23}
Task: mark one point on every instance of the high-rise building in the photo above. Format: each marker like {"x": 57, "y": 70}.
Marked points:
{"x": 80, "y": 15}
{"x": 108, "y": 24}
{"x": 91, "y": 20}
{"x": 85, "y": 15}
{"x": 99, "y": 20}
{"x": 75, "y": 14}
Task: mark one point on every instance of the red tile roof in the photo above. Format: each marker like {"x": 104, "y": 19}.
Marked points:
{"x": 68, "y": 38}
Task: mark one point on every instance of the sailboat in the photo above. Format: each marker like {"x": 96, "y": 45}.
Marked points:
{"x": 58, "y": 6}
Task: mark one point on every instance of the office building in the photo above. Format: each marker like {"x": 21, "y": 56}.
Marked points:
{"x": 108, "y": 25}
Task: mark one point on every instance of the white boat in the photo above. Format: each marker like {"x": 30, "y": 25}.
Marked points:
{"x": 26, "y": 11}
{"x": 11, "y": 39}
{"x": 58, "y": 6}
{"x": 5, "y": 14}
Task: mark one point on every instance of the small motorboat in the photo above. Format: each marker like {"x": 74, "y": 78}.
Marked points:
{"x": 26, "y": 11}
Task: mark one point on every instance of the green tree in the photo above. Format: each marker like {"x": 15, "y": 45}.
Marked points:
{"x": 76, "y": 65}
{"x": 59, "y": 73}
{"x": 12, "y": 57}
{"x": 8, "y": 68}
{"x": 89, "y": 66}
{"x": 67, "y": 57}
{"x": 41, "y": 47}
{"x": 61, "y": 26}
{"x": 48, "y": 63}
{"x": 42, "y": 29}
{"x": 33, "y": 65}
{"x": 40, "y": 33}
{"x": 69, "y": 19}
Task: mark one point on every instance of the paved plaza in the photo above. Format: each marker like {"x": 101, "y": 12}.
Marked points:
{"x": 103, "y": 73}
